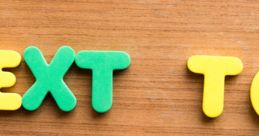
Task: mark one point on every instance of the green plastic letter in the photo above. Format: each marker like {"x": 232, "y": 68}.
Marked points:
{"x": 49, "y": 78}
{"x": 102, "y": 64}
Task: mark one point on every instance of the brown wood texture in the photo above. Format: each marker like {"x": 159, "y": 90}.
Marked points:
{"x": 157, "y": 95}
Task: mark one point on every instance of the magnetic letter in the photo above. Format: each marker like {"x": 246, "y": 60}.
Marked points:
{"x": 254, "y": 93}
{"x": 9, "y": 59}
{"x": 214, "y": 69}
{"x": 49, "y": 78}
{"x": 102, "y": 64}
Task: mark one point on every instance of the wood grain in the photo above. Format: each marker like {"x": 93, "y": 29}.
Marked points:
{"x": 157, "y": 95}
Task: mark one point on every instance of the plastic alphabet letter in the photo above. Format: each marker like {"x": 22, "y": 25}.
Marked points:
{"x": 49, "y": 78}
{"x": 9, "y": 59}
{"x": 214, "y": 68}
{"x": 254, "y": 93}
{"x": 102, "y": 64}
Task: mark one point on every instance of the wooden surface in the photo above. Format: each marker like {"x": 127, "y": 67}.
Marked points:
{"x": 157, "y": 95}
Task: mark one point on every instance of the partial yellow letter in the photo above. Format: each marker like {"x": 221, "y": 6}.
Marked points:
{"x": 254, "y": 93}
{"x": 214, "y": 69}
{"x": 9, "y": 59}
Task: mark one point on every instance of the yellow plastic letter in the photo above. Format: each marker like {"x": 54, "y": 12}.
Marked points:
{"x": 214, "y": 69}
{"x": 9, "y": 59}
{"x": 254, "y": 93}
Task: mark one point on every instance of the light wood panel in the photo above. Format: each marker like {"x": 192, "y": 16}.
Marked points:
{"x": 157, "y": 95}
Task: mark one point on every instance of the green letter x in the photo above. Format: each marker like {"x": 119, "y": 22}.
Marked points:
{"x": 49, "y": 78}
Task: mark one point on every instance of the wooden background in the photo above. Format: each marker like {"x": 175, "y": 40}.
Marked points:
{"x": 157, "y": 95}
